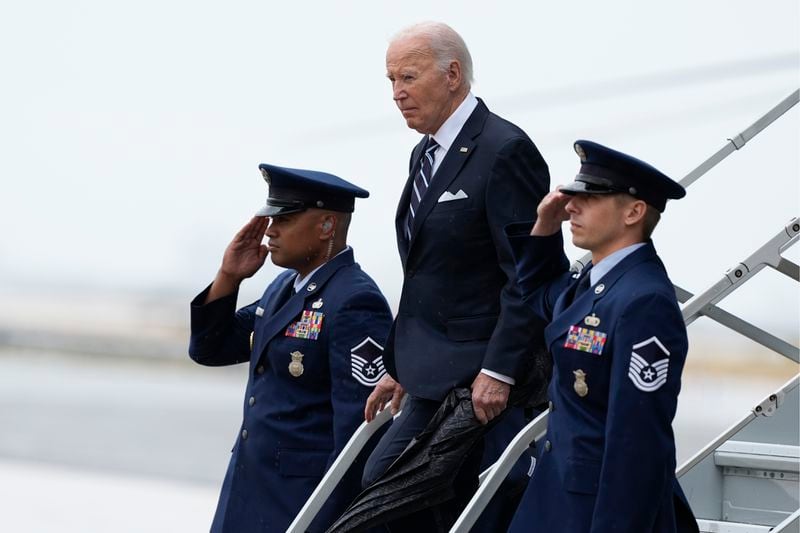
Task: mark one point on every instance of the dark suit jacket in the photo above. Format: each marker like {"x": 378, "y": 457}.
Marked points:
{"x": 460, "y": 309}
{"x": 619, "y": 350}
{"x": 296, "y": 422}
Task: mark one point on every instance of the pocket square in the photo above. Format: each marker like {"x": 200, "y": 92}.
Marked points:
{"x": 447, "y": 196}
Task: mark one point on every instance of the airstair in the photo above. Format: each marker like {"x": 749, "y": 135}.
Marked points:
{"x": 747, "y": 480}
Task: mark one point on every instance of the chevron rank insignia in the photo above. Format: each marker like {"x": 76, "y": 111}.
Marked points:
{"x": 649, "y": 365}
{"x": 308, "y": 327}
{"x": 366, "y": 361}
{"x": 585, "y": 340}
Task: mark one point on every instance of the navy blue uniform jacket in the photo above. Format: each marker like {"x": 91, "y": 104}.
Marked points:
{"x": 608, "y": 464}
{"x": 460, "y": 309}
{"x": 293, "y": 425}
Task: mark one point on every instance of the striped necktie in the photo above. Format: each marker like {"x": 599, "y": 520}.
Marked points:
{"x": 421, "y": 182}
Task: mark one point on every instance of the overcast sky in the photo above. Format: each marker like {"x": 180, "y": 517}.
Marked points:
{"x": 131, "y": 132}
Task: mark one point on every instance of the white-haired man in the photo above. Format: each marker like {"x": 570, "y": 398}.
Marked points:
{"x": 460, "y": 322}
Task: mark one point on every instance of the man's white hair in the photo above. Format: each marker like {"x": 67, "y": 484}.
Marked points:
{"x": 445, "y": 43}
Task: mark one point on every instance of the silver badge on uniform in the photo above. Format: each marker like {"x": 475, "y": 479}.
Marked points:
{"x": 259, "y": 311}
{"x": 592, "y": 321}
{"x": 580, "y": 386}
{"x": 317, "y": 304}
{"x": 296, "y": 366}
{"x": 366, "y": 362}
{"x": 311, "y": 286}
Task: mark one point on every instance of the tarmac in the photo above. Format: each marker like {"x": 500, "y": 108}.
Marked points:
{"x": 97, "y": 444}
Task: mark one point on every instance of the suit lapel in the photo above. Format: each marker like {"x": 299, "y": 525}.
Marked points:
{"x": 405, "y": 200}
{"x": 285, "y": 315}
{"x": 566, "y": 315}
{"x": 452, "y": 164}
{"x": 568, "y": 310}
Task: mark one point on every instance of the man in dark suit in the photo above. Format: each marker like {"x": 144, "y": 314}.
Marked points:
{"x": 314, "y": 342}
{"x": 619, "y": 345}
{"x": 460, "y": 322}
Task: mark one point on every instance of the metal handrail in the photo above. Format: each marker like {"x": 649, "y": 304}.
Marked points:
{"x": 736, "y": 143}
{"x": 337, "y": 471}
{"x": 764, "y": 408}
{"x": 790, "y": 525}
{"x": 495, "y": 474}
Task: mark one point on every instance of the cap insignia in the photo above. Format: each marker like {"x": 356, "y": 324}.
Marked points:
{"x": 580, "y": 152}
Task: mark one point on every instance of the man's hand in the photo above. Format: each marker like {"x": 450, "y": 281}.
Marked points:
{"x": 551, "y": 213}
{"x": 243, "y": 257}
{"x": 489, "y": 397}
{"x": 386, "y": 389}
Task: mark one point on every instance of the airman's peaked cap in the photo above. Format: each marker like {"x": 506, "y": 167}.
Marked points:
{"x": 607, "y": 171}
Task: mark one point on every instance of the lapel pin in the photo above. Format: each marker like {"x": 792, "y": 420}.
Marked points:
{"x": 317, "y": 304}
{"x": 311, "y": 286}
{"x": 259, "y": 311}
{"x": 600, "y": 288}
{"x": 463, "y": 149}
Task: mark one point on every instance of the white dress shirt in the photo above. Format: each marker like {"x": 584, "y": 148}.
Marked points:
{"x": 448, "y": 131}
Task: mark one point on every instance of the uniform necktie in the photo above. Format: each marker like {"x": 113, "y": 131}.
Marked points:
{"x": 583, "y": 285}
{"x": 285, "y": 295}
{"x": 421, "y": 182}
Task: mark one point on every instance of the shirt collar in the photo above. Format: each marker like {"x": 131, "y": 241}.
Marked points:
{"x": 300, "y": 283}
{"x": 448, "y": 131}
{"x": 610, "y": 261}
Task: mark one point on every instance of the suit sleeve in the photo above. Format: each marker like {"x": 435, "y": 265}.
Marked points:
{"x": 638, "y": 462}
{"x": 220, "y": 335}
{"x": 518, "y": 181}
{"x": 357, "y": 336}
{"x": 541, "y": 266}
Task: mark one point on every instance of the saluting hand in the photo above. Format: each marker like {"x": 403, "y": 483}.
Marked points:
{"x": 246, "y": 253}
{"x": 243, "y": 257}
{"x": 489, "y": 397}
{"x": 551, "y": 213}
{"x": 386, "y": 389}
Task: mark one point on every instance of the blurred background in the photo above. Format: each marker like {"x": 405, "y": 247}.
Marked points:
{"x": 131, "y": 133}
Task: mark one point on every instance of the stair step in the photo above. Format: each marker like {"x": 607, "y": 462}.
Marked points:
{"x": 714, "y": 526}
{"x": 778, "y": 461}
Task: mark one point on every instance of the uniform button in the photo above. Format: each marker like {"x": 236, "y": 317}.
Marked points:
{"x": 260, "y": 369}
{"x": 252, "y": 401}
{"x": 244, "y": 434}
{"x": 547, "y": 446}
{"x": 550, "y": 406}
